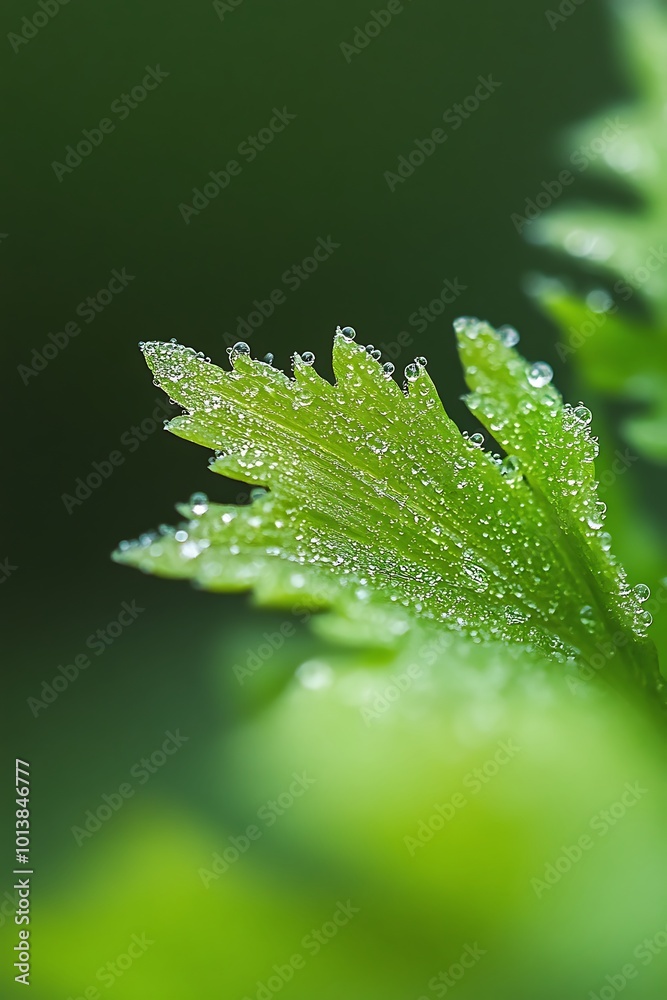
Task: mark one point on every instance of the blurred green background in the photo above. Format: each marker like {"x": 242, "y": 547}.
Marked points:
{"x": 323, "y": 177}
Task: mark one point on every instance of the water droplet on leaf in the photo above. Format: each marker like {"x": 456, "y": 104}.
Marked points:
{"x": 587, "y": 616}
{"x": 469, "y": 325}
{"x": 583, "y": 414}
{"x": 315, "y": 675}
{"x": 509, "y": 337}
{"x": 240, "y": 347}
{"x": 540, "y": 374}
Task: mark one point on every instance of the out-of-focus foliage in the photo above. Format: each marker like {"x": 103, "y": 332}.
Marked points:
{"x": 618, "y": 353}
{"x": 445, "y": 788}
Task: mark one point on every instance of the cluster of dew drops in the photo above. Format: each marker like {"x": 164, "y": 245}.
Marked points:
{"x": 539, "y": 375}
{"x": 411, "y": 371}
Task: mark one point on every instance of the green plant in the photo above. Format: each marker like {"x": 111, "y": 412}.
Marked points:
{"x": 462, "y": 595}
{"x": 619, "y": 340}
{"x": 369, "y": 494}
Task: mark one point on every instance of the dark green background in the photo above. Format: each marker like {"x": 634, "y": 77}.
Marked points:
{"x": 322, "y": 176}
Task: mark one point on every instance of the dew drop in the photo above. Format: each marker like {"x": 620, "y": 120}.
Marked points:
{"x": 599, "y": 301}
{"x": 315, "y": 675}
{"x": 595, "y": 520}
{"x": 388, "y": 369}
{"x": 240, "y": 347}
{"x": 476, "y": 439}
{"x": 349, "y": 332}
{"x": 509, "y": 337}
{"x": 308, "y": 358}
{"x": 642, "y": 592}
{"x": 587, "y": 616}
{"x": 199, "y": 503}
{"x": 645, "y": 618}
{"x": 411, "y": 372}
{"x": 583, "y": 414}
{"x": 605, "y": 541}
{"x": 511, "y": 468}
{"x": 540, "y": 374}
{"x": 376, "y": 354}
{"x": 469, "y": 325}
{"x": 421, "y": 361}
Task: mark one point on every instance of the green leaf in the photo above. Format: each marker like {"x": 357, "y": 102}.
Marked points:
{"x": 374, "y": 495}
{"x": 617, "y": 354}
{"x": 620, "y": 357}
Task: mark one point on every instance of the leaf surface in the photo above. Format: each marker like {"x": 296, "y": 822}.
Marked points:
{"x": 372, "y": 494}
